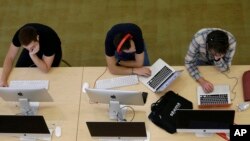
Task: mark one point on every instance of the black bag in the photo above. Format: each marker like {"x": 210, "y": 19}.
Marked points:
{"x": 163, "y": 110}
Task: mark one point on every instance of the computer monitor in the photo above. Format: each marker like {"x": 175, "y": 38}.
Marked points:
{"x": 204, "y": 122}
{"x": 25, "y": 127}
{"x": 116, "y": 97}
{"x": 28, "y": 98}
{"x": 118, "y": 130}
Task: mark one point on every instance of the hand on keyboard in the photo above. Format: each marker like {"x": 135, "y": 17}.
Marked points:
{"x": 3, "y": 84}
{"x": 143, "y": 71}
{"x": 206, "y": 85}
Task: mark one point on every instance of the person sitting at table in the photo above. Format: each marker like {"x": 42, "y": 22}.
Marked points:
{"x": 42, "y": 49}
{"x": 210, "y": 46}
{"x": 125, "y": 50}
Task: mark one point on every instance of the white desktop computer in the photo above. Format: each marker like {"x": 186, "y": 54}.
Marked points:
{"x": 116, "y": 97}
{"x": 204, "y": 122}
{"x": 118, "y": 131}
{"x": 28, "y": 98}
{"x": 25, "y": 127}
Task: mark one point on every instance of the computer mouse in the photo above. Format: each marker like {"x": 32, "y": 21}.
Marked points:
{"x": 243, "y": 106}
{"x": 84, "y": 86}
{"x": 58, "y": 131}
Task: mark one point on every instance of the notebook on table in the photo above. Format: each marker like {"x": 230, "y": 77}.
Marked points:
{"x": 162, "y": 75}
{"x": 220, "y": 97}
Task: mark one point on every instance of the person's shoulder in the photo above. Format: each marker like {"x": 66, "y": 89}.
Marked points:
{"x": 133, "y": 25}
{"x": 201, "y": 35}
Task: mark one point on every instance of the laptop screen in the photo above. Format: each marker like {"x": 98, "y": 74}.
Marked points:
{"x": 162, "y": 75}
{"x": 168, "y": 81}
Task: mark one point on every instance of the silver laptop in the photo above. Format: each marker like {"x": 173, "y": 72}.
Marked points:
{"x": 162, "y": 75}
{"x": 219, "y": 97}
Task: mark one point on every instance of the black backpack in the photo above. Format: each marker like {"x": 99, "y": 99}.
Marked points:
{"x": 163, "y": 110}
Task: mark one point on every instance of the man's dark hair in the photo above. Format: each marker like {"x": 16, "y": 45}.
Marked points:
{"x": 27, "y": 34}
{"x": 118, "y": 38}
{"x": 218, "y": 41}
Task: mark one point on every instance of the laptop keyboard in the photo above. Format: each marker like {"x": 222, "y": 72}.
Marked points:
{"x": 159, "y": 77}
{"x": 214, "y": 99}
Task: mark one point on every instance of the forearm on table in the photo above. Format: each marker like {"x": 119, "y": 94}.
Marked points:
{"x": 40, "y": 63}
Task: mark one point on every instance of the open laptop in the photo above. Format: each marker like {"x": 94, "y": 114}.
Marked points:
{"x": 220, "y": 97}
{"x": 118, "y": 130}
{"x": 162, "y": 75}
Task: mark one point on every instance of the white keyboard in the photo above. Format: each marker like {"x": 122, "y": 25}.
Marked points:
{"x": 29, "y": 84}
{"x": 117, "y": 82}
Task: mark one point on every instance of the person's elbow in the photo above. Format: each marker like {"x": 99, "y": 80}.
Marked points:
{"x": 113, "y": 71}
{"x": 46, "y": 69}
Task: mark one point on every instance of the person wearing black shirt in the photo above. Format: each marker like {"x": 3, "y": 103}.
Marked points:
{"x": 125, "y": 50}
{"x": 42, "y": 49}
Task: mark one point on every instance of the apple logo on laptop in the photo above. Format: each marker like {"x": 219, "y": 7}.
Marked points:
{"x": 113, "y": 97}
{"x": 19, "y": 94}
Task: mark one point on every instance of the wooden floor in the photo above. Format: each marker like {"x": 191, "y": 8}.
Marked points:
{"x": 167, "y": 25}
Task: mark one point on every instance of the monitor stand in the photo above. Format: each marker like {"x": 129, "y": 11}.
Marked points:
{"x": 115, "y": 112}
{"x": 28, "y": 108}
